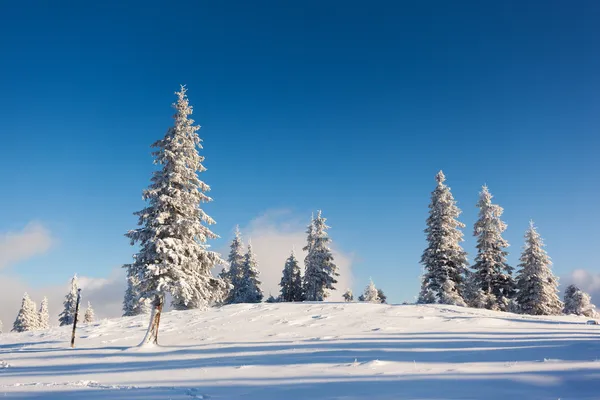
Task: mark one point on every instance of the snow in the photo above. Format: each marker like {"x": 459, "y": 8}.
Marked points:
{"x": 310, "y": 351}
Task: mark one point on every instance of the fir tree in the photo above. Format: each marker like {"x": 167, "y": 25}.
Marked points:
{"x": 173, "y": 256}
{"x": 321, "y": 271}
{"x": 578, "y": 302}
{"x": 44, "y": 317}
{"x": 382, "y": 296}
{"x": 68, "y": 315}
{"x": 348, "y": 296}
{"x": 537, "y": 286}
{"x": 250, "y": 286}
{"x": 291, "y": 281}
{"x": 133, "y": 303}
{"x": 443, "y": 259}
{"x": 449, "y": 294}
{"x": 491, "y": 273}
{"x": 371, "y": 294}
{"x": 89, "y": 316}
{"x": 361, "y": 297}
{"x": 28, "y": 317}
{"x": 271, "y": 299}
{"x": 235, "y": 275}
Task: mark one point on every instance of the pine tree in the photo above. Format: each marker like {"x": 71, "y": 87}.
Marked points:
{"x": 44, "y": 317}
{"x": 27, "y": 318}
{"x": 444, "y": 259}
{"x": 68, "y": 314}
{"x": 173, "y": 256}
{"x": 291, "y": 281}
{"x": 321, "y": 271}
{"x": 133, "y": 304}
{"x": 89, "y": 316}
{"x": 537, "y": 286}
{"x": 382, "y": 296}
{"x": 578, "y": 302}
{"x": 492, "y": 274}
{"x": 348, "y": 296}
{"x": 250, "y": 286}
{"x": 361, "y": 297}
{"x": 371, "y": 294}
{"x": 271, "y": 299}
{"x": 449, "y": 294}
{"x": 235, "y": 275}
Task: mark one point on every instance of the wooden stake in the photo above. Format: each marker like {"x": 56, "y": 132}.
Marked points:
{"x": 75, "y": 318}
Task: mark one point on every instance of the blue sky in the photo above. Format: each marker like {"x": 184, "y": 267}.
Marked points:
{"x": 349, "y": 107}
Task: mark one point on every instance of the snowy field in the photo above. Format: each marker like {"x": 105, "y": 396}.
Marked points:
{"x": 311, "y": 351}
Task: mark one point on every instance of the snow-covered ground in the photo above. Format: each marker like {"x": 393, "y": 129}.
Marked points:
{"x": 311, "y": 351}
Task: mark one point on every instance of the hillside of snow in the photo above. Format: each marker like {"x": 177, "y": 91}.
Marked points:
{"x": 311, "y": 351}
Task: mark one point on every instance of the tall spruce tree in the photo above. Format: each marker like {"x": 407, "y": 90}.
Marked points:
{"x": 67, "y": 316}
{"x": 491, "y": 273}
{"x": 250, "y": 291}
{"x": 44, "y": 317}
{"x": 173, "y": 256}
{"x": 578, "y": 302}
{"x": 537, "y": 287}
{"x": 235, "y": 273}
{"x": 321, "y": 271}
{"x": 27, "y": 318}
{"x": 133, "y": 303}
{"x": 291, "y": 281}
{"x": 371, "y": 293}
{"x": 443, "y": 259}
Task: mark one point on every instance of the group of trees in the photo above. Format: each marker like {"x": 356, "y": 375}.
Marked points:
{"x": 31, "y": 319}
{"x": 489, "y": 283}
{"x": 371, "y": 294}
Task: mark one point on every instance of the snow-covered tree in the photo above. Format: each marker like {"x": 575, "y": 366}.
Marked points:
{"x": 235, "y": 274}
{"x": 361, "y": 297}
{"x": 492, "y": 274}
{"x": 68, "y": 315}
{"x": 371, "y": 294}
{"x": 348, "y": 296}
{"x": 173, "y": 256}
{"x": 382, "y": 296}
{"x": 578, "y": 302}
{"x": 537, "y": 287}
{"x": 250, "y": 291}
{"x": 271, "y": 299}
{"x": 291, "y": 281}
{"x": 320, "y": 273}
{"x": 28, "y": 317}
{"x": 444, "y": 259}
{"x": 133, "y": 303}
{"x": 89, "y": 316}
{"x": 44, "y": 317}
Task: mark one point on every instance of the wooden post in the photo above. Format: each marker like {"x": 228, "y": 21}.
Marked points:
{"x": 75, "y": 318}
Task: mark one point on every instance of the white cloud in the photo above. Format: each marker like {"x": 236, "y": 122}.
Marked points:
{"x": 273, "y": 236}
{"x": 587, "y": 281}
{"x": 33, "y": 240}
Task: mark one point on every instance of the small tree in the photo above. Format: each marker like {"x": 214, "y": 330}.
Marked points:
{"x": 68, "y": 315}
{"x": 321, "y": 271}
{"x": 235, "y": 273}
{"x": 250, "y": 286}
{"x": 291, "y": 280}
{"x": 449, "y": 295}
{"x": 27, "y": 318}
{"x": 578, "y": 302}
{"x": 361, "y": 298}
{"x": 537, "y": 286}
{"x": 271, "y": 299}
{"x": 371, "y": 294}
{"x": 44, "y": 317}
{"x": 89, "y": 316}
{"x": 382, "y": 296}
{"x": 348, "y": 296}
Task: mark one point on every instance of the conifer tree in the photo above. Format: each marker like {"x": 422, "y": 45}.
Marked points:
{"x": 235, "y": 275}
{"x": 291, "y": 281}
{"x": 321, "y": 271}
{"x": 44, "y": 317}
{"x": 382, "y": 296}
{"x": 174, "y": 256}
{"x": 133, "y": 303}
{"x": 443, "y": 259}
{"x": 68, "y": 315}
{"x": 536, "y": 285}
{"x": 250, "y": 291}
{"x": 27, "y": 318}
{"x": 578, "y": 302}
{"x": 371, "y": 294}
{"x": 89, "y": 315}
{"x": 491, "y": 273}
{"x": 348, "y": 296}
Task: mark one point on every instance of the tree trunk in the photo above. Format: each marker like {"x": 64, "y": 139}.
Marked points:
{"x": 151, "y": 337}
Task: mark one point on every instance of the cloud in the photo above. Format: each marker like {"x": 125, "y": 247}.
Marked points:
{"x": 33, "y": 240}
{"x": 587, "y": 281}
{"x": 273, "y": 236}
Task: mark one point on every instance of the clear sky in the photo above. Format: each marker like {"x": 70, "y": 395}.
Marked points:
{"x": 345, "y": 106}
